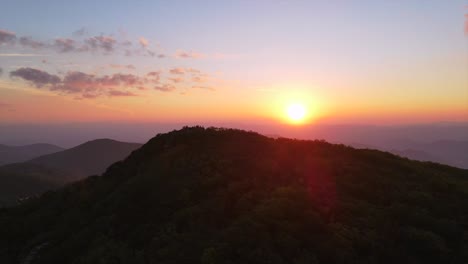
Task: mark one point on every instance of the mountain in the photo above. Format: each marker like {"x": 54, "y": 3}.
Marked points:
{"x": 14, "y": 154}
{"x": 90, "y": 158}
{"x": 213, "y": 195}
{"x": 22, "y": 180}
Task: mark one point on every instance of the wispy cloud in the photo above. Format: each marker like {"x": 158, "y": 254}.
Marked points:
{"x": 80, "y": 32}
{"x": 204, "y": 88}
{"x": 7, "y": 37}
{"x": 188, "y": 55}
{"x": 104, "y": 43}
{"x": 37, "y": 77}
{"x": 176, "y": 79}
{"x": 121, "y": 66}
{"x": 29, "y": 42}
{"x": 65, "y": 44}
{"x": 178, "y": 71}
{"x": 21, "y": 55}
{"x": 165, "y": 88}
{"x": 143, "y": 42}
{"x": 87, "y": 85}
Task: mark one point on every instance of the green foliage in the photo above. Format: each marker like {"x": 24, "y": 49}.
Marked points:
{"x": 227, "y": 196}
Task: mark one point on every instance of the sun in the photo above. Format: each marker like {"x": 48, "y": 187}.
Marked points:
{"x": 296, "y": 112}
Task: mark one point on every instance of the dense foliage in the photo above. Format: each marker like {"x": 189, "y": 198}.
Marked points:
{"x": 226, "y": 196}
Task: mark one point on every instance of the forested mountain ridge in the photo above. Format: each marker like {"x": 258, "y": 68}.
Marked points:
{"x": 227, "y": 196}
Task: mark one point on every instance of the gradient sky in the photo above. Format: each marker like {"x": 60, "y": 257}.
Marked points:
{"x": 378, "y": 62}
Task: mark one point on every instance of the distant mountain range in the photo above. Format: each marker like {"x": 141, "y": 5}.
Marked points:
{"x": 13, "y": 154}
{"x": 21, "y": 180}
{"x": 449, "y": 152}
{"x": 90, "y": 158}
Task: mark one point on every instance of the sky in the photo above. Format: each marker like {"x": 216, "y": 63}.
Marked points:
{"x": 367, "y": 61}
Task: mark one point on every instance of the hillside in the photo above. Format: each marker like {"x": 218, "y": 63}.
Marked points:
{"x": 31, "y": 178}
{"x": 14, "y": 154}
{"x": 19, "y": 181}
{"x": 90, "y": 158}
{"x": 227, "y": 196}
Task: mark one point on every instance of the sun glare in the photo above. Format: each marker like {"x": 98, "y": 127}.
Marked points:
{"x": 296, "y": 112}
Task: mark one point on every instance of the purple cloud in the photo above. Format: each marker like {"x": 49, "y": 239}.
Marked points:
{"x": 188, "y": 55}
{"x": 179, "y": 71}
{"x": 37, "y": 77}
{"x": 105, "y": 43}
{"x": 120, "y": 93}
{"x": 7, "y": 37}
{"x": 29, "y": 42}
{"x": 165, "y": 88}
{"x": 65, "y": 44}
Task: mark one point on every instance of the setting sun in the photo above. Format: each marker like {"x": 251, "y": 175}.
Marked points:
{"x": 296, "y": 112}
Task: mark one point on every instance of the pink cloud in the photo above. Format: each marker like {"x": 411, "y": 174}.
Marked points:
{"x": 165, "y": 88}
{"x": 188, "y": 55}
{"x": 179, "y": 71}
{"x": 143, "y": 42}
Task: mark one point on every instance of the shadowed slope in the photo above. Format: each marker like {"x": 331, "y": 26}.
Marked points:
{"x": 226, "y": 196}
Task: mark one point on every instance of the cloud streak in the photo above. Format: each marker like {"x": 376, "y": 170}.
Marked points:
{"x": 37, "y": 77}
{"x": 188, "y": 55}
{"x": 105, "y": 44}
{"x": 88, "y": 86}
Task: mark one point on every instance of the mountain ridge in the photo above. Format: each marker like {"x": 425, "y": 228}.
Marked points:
{"x": 214, "y": 195}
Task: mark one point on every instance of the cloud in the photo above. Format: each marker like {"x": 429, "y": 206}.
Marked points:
{"x": 466, "y": 24}
{"x": 179, "y": 71}
{"x": 154, "y": 76}
{"x": 65, "y": 44}
{"x": 105, "y": 43}
{"x": 176, "y": 79}
{"x": 21, "y": 55}
{"x": 165, "y": 88}
{"x": 120, "y": 66}
{"x": 121, "y": 93}
{"x": 1, "y": 71}
{"x": 37, "y": 77}
{"x": 86, "y": 86}
{"x": 29, "y": 42}
{"x": 126, "y": 43}
{"x": 143, "y": 42}
{"x": 188, "y": 55}
{"x": 204, "y": 88}
{"x": 199, "y": 79}
{"x": 80, "y": 32}
{"x": 2, "y": 105}
{"x": 7, "y": 37}
{"x": 92, "y": 86}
